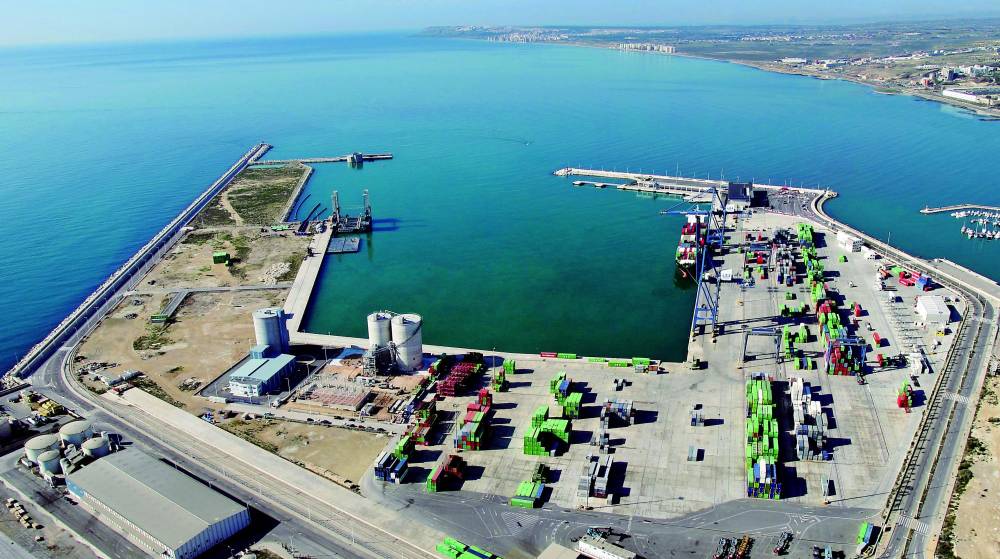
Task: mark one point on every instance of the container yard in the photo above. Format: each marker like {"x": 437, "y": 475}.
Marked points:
{"x": 805, "y": 410}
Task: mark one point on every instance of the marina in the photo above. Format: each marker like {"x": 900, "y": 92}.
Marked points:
{"x": 978, "y": 222}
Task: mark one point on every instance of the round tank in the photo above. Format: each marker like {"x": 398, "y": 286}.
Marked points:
{"x": 5, "y": 428}
{"x": 95, "y": 448}
{"x": 75, "y": 432}
{"x": 268, "y": 327}
{"x": 409, "y": 341}
{"x": 379, "y": 330}
{"x": 38, "y": 445}
{"x": 48, "y": 462}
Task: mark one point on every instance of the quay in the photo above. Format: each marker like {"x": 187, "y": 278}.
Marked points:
{"x": 129, "y": 274}
{"x": 333, "y": 159}
{"x": 960, "y": 207}
{"x": 646, "y": 182}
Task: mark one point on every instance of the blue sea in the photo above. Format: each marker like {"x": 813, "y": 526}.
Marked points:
{"x": 105, "y": 144}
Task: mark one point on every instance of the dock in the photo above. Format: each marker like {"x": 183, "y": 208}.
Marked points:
{"x": 343, "y": 245}
{"x": 666, "y": 184}
{"x": 305, "y": 280}
{"x": 332, "y": 159}
{"x": 960, "y": 207}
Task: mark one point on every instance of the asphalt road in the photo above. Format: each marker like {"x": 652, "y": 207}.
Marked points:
{"x": 488, "y": 521}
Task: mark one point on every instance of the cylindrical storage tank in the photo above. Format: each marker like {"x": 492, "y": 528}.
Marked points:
{"x": 95, "y": 448}
{"x": 38, "y": 445}
{"x": 269, "y": 328}
{"x": 5, "y": 428}
{"x": 48, "y": 462}
{"x": 75, "y": 432}
{"x": 406, "y": 334}
{"x": 379, "y": 330}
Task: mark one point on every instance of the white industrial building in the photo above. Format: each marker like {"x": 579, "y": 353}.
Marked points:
{"x": 933, "y": 310}
{"x": 161, "y": 510}
{"x": 849, "y": 242}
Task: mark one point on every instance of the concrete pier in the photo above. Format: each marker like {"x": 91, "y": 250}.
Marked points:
{"x": 960, "y": 207}
{"x": 332, "y": 159}
{"x": 686, "y": 184}
{"x": 305, "y": 281}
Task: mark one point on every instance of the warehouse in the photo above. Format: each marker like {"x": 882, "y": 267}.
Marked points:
{"x": 160, "y": 509}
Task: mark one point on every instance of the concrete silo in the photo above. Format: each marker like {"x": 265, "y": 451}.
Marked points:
{"x": 379, "y": 330}
{"x": 270, "y": 328}
{"x": 406, "y": 334}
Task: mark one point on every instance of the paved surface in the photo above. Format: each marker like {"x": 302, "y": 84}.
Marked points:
{"x": 926, "y": 481}
{"x": 69, "y": 514}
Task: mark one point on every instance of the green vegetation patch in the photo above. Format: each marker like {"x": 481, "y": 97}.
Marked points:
{"x": 260, "y": 194}
{"x": 154, "y": 338}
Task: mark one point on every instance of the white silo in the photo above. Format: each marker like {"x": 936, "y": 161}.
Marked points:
{"x": 409, "y": 341}
{"x": 270, "y": 329}
{"x": 38, "y": 445}
{"x": 379, "y": 330}
{"x": 75, "y": 432}
{"x": 48, "y": 462}
{"x": 95, "y": 448}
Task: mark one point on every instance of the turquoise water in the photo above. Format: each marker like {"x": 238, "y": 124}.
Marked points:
{"x": 105, "y": 144}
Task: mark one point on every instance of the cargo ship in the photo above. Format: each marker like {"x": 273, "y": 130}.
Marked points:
{"x": 691, "y": 243}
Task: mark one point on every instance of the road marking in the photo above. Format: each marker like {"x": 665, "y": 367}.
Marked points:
{"x": 960, "y": 398}
{"x": 915, "y": 525}
{"x": 517, "y": 522}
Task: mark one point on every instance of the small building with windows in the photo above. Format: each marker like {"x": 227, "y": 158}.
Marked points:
{"x": 261, "y": 373}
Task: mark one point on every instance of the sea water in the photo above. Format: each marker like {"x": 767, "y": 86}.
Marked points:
{"x": 105, "y": 144}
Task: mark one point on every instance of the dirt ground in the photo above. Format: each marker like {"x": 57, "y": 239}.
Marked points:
{"x": 211, "y": 332}
{"x": 259, "y": 258}
{"x": 977, "y": 527}
{"x": 340, "y": 454}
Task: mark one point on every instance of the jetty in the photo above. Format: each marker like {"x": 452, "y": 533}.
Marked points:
{"x": 125, "y": 278}
{"x": 959, "y": 207}
{"x": 666, "y": 184}
{"x": 351, "y": 157}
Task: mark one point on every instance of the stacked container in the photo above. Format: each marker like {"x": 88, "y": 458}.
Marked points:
{"x": 762, "y": 441}
{"x": 460, "y": 378}
{"x": 571, "y": 405}
{"x": 390, "y": 468}
{"x": 452, "y": 466}
{"x": 426, "y": 416}
{"x": 528, "y": 495}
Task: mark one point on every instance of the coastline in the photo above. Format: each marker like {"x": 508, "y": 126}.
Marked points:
{"x": 770, "y": 67}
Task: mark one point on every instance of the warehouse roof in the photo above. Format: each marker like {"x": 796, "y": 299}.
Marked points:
{"x": 163, "y": 502}
{"x": 256, "y": 371}
{"x": 933, "y": 305}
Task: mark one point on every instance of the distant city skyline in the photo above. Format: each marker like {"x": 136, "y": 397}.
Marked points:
{"x": 76, "y": 21}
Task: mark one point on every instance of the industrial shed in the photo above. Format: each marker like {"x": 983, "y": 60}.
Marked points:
{"x": 933, "y": 310}
{"x": 160, "y": 509}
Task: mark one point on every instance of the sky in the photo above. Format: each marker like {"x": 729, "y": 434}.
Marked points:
{"x": 73, "y": 21}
